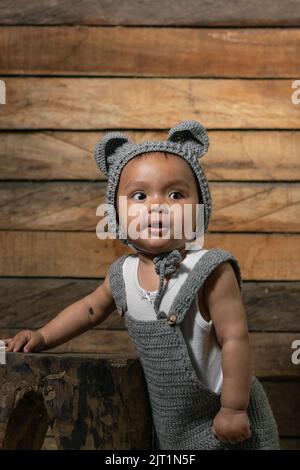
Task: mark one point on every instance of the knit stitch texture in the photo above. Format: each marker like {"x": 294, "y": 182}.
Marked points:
{"x": 183, "y": 408}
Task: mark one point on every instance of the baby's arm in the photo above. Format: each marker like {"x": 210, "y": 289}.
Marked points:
{"x": 74, "y": 320}
{"x": 226, "y": 309}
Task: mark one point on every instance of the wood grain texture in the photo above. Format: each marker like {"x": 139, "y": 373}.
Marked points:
{"x": 290, "y": 444}
{"x": 35, "y": 253}
{"x": 271, "y": 352}
{"x": 92, "y": 103}
{"x": 144, "y": 52}
{"x": 286, "y": 443}
{"x": 163, "y": 12}
{"x": 272, "y": 306}
{"x": 49, "y": 442}
{"x": 237, "y": 207}
{"x": 90, "y": 402}
{"x": 284, "y": 400}
{"x": 232, "y": 155}
{"x": 30, "y": 303}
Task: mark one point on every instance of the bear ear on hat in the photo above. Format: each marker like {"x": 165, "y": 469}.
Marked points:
{"x": 191, "y": 133}
{"x": 106, "y": 147}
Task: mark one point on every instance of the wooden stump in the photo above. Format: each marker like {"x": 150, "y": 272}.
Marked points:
{"x": 89, "y": 401}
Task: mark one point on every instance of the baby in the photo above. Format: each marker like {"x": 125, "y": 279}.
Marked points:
{"x": 181, "y": 303}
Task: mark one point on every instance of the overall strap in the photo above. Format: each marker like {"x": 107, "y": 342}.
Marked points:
{"x": 117, "y": 285}
{"x": 196, "y": 278}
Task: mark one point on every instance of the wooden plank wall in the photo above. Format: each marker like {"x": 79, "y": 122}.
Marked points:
{"x": 75, "y": 70}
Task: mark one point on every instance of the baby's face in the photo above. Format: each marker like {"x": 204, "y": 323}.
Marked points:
{"x": 148, "y": 181}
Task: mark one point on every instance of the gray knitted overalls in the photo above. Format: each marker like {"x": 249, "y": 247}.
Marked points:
{"x": 183, "y": 408}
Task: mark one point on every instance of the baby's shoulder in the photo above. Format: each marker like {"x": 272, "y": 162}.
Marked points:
{"x": 224, "y": 274}
{"x": 218, "y": 263}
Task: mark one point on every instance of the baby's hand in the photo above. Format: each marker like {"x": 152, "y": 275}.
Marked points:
{"x": 27, "y": 340}
{"x": 231, "y": 426}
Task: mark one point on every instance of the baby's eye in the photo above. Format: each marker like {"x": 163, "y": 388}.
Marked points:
{"x": 137, "y": 193}
{"x": 176, "y": 192}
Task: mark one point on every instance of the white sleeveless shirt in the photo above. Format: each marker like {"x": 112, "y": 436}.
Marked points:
{"x": 199, "y": 335}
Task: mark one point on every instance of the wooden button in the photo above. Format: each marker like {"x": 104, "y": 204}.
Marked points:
{"x": 171, "y": 319}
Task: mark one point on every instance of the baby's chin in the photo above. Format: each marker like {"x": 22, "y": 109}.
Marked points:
{"x": 155, "y": 244}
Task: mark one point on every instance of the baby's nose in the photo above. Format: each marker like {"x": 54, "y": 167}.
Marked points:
{"x": 160, "y": 207}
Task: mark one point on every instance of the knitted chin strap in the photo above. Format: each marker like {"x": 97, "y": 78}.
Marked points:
{"x": 165, "y": 264}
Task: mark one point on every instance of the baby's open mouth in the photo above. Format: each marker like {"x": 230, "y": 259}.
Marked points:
{"x": 157, "y": 227}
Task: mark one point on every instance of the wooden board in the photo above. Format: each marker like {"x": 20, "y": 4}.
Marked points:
{"x": 82, "y": 399}
{"x": 271, "y": 352}
{"x": 237, "y": 207}
{"x": 150, "y": 52}
{"x": 232, "y": 155}
{"x": 102, "y": 103}
{"x": 46, "y": 253}
{"x": 156, "y": 12}
{"x": 290, "y": 444}
{"x": 30, "y": 303}
{"x": 284, "y": 400}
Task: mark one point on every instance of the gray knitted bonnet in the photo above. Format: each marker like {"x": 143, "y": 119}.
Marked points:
{"x": 187, "y": 139}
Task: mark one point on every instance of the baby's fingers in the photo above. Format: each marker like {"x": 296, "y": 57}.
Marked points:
{"x": 17, "y": 343}
{"x": 10, "y": 345}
